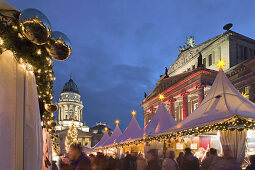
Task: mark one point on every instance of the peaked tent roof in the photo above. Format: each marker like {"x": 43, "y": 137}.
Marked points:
{"x": 223, "y": 101}
{"x": 103, "y": 139}
{"x": 132, "y": 131}
{"x": 160, "y": 122}
{"x": 115, "y": 134}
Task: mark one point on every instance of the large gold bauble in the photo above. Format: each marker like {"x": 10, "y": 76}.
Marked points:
{"x": 35, "y": 26}
{"x": 59, "y": 47}
{"x": 51, "y": 107}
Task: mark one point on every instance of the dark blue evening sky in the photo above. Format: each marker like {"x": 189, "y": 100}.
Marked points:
{"x": 120, "y": 47}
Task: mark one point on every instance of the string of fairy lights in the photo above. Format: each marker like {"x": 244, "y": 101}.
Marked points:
{"x": 29, "y": 37}
{"x": 234, "y": 123}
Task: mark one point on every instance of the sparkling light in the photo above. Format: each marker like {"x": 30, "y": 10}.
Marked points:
{"x": 117, "y": 121}
{"x": 221, "y": 64}
{"x": 1, "y": 41}
{"x": 133, "y": 112}
{"x": 39, "y": 52}
{"x": 161, "y": 96}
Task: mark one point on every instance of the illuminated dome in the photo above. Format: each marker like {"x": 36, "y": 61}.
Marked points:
{"x": 70, "y": 86}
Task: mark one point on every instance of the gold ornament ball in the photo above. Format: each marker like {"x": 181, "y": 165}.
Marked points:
{"x": 59, "y": 47}
{"x": 35, "y": 26}
{"x": 51, "y": 107}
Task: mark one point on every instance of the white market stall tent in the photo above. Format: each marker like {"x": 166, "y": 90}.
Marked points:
{"x": 112, "y": 139}
{"x": 133, "y": 131}
{"x": 20, "y": 124}
{"x": 160, "y": 122}
{"x": 223, "y": 103}
{"x": 103, "y": 139}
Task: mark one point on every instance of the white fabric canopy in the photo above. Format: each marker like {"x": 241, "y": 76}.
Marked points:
{"x": 103, "y": 139}
{"x": 20, "y": 124}
{"x": 236, "y": 141}
{"x": 160, "y": 122}
{"x": 222, "y": 101}
{"x": 115, "y": 134}
{"x": 132, "y": 131}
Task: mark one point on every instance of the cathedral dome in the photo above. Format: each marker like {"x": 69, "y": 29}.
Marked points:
{"x": 70, "y": 86}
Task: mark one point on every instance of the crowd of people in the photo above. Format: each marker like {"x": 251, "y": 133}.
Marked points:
{"x": 77, "y": 160}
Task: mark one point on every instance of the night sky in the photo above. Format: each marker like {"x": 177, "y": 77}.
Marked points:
{"x": 120, "y": 47}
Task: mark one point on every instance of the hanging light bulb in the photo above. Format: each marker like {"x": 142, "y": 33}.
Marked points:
{"x": 39, "y": 52}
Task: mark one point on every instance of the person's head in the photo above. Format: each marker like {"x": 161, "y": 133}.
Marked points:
{"x": 181, "y": 154}
{"x": 75, "y": 151}
{"x": 171, "y": 154}
{"x": 252, "y": 158}
{"x": 152, "y": 154}
{"x": 91, "y": 156}
{"x": 213, "y": 151}
{"x": 226, "y": 151}
{"x": 187, "y": 151}
{"x": 207, "y": 154}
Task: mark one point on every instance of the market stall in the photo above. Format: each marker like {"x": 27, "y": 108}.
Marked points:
{"x": 225, "y": 110}
{"x": 160, "y": 122}
{"x": 132, "y": 132}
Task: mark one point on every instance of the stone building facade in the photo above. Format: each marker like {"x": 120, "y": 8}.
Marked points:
{"x": 190, "y": 77}
{"x": 71, "y": 110}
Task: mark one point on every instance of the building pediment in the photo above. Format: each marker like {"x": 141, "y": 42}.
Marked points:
{"x": 193, "y": 52}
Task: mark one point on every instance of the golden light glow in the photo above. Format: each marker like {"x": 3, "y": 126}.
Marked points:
{"x": 39, "y": 52}
{"x": 245, "y": 95}
{"x": 221, "y": 64}
{"x": 1, "y": 41}
{"x": 106, "y": 128}
{"x": 117, "y": 121}
{"x": 20, "y": 36}
{"x": 14, "y": 27}
{"x": 161, "y": 96}
{"x": 133, "y": 112}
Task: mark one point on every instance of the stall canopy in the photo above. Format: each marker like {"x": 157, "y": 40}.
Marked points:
{"x": 115, "y": 134}
{"x": 133, "y": 131}
{"x": 223, "y": 101}
{"x": 103, "y": 139}
{"x": 160, "y": 122}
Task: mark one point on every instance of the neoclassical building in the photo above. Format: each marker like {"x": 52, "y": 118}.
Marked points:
{"x": 189, "y": 78}
{"x": 71, "y": 110}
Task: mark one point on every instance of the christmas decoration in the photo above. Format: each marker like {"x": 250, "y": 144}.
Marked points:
{"x": 221, "y": 64}
{"x": 35, "y": 26}
{"x": 59, "y": 46}
{"x": 25, "y": 35}
{"x": 71, "y": 137}
{"x": 51, "y": 107}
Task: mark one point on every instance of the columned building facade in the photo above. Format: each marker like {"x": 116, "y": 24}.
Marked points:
{"x": 71, "y": 111}
{"x": 70, "y": 108}
{"x": 190, "y": 77}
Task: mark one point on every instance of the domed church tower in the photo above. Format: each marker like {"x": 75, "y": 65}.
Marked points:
{"x": 70, "y": 107}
